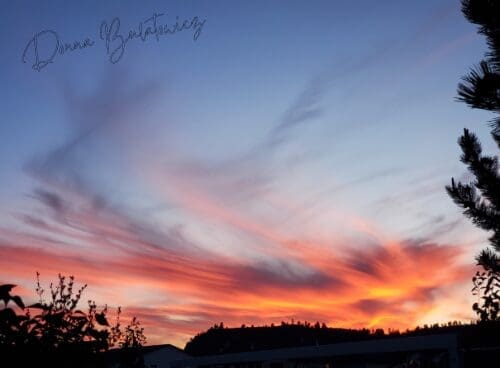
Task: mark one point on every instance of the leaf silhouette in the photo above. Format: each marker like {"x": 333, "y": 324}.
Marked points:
{"x": 17, "y": 299}
{"x": 5, "y": 292}
{"x": 101, "y": 319}
{"x": 5, "y": 289}
{"x": 38, "y": 306}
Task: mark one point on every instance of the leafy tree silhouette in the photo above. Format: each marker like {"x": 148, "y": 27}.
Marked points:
{"x": 60, "y": 334}
{"x": 480, "y": 199}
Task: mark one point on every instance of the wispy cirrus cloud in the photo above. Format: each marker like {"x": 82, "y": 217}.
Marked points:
{"x": 381, "y": 285}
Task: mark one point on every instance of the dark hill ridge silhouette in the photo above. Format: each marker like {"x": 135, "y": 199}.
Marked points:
{"x": 221, "y": 340}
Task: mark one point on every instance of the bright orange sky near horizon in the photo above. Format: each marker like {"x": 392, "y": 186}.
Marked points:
{"x": 181, "y": 290}
{"x": 288, "y": 163}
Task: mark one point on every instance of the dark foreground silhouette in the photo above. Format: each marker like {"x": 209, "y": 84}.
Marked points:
{"x": 480, "y": 198}
{"x": 220, "y": 340}
{"x": 56, "y": 333}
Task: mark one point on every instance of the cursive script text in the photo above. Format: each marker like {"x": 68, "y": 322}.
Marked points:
{"x": 116, "y": 41}
{"x": 42, "y": 56}
{"x": 45, "y": 46}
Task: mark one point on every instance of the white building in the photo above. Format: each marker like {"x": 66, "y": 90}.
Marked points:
{"x": 439, "y": 350}
{"x": 160, "y": 356}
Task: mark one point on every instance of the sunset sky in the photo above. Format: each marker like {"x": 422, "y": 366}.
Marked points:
{"x": 288, "y": 163}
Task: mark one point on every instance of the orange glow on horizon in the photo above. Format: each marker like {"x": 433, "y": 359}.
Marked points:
{"x": 178, "y": 288}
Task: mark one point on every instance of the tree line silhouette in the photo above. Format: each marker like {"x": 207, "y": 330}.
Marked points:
{"x": 219, "y": 339}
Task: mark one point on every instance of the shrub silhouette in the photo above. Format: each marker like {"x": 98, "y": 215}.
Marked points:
{"x": 56, "y": 333}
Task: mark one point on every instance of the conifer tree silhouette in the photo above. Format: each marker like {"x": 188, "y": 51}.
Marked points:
{"x": 480, "y": 199}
